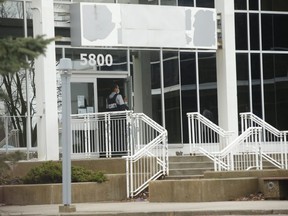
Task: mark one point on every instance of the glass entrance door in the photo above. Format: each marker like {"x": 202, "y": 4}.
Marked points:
{"x": 104, "y": 89}
{"x": 89, "y": 94}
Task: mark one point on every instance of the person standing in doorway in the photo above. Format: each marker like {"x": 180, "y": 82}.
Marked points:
{"x": 115, "y": 100}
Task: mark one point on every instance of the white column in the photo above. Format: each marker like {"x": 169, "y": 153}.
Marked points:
{"x": 45, "y": 79}
{"x": 226, "y": 69}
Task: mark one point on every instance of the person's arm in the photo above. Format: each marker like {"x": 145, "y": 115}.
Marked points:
{"x": 121, "y": 103}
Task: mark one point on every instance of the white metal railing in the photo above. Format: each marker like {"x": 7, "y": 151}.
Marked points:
{"x": 274, "y": 142}
{"x": 104, "y": 134}
{"x": 149, "y": 154}
{"x": 141, "y": 141}
{"x": 243, "y": 153}
{"x": 204, "y": 134}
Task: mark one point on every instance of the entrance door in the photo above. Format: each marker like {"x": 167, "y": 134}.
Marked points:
{"x": 104, "y": 88}
{"x": 88, "y": 94}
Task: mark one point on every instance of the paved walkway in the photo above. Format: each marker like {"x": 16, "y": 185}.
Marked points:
{"x": 162, "y": 209}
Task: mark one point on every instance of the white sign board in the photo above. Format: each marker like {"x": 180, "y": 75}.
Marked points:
{"x": 128, "y": 25}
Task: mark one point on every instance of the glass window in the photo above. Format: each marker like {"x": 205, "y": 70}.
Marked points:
{"x": 256, "y": 85}
{"x": 276, "y": 89}
{"x": 168, "y": 2}
{"x": 208, "y": 84}
{"x": 205, "y": 3}
{"x": 253, "y": 4}
{"x": 240, "y": 4}
{"x": 188, "y": 89}
{"x": 241, "y": 31}
{"x": 254, "y": 31}
{"x": 172, "y": 96}
{"x": 242, "y": 82}
{"x": 274, "y": 5}
{"x": 274, "y": 32}
{"x": 98, "y": 60}
{"x": 188, "y": 3}
{"x": 11, "y": 19}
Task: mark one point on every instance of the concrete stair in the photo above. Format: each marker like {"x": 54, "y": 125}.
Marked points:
{"x": 187, "y": 167}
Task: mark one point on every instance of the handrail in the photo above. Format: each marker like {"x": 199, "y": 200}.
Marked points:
{"x": 206, "y": 134}
{"x": 274, "y": 143}
{"x": 149, "y": 161}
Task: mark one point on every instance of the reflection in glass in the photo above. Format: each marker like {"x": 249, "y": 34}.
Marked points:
{"x": 241, "y": 31}
{"x": 172, "y": 96}
{"x": 240, "y": 4}
{"x": 242, "y": 68}
{"x": 187, "y": 3}
{"x": 274, "y": 32}
{"x": 207, "y": 84}
{"x": 188, "y": 89}
{"x": 272, "y": 5}
{"x": 253, "y": 4}
{"x": 254, "y": 31}
{"x": 276, "y": 89}
{"x": 205, "y": 3}
{"x": 256, "y": 85}
{"x": 168, "y": 2}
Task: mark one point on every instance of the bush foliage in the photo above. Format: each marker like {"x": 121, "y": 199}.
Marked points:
{"x": 51, "y": 172}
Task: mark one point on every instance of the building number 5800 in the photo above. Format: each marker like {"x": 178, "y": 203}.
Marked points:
{"x": 99, "y": 60}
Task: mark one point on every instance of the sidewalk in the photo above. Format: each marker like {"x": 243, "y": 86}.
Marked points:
{"x": 162, "y": 209}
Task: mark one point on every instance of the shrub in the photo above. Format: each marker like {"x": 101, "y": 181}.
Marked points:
{"x": 6, "y": 159}
{"x": 51, "y": 172}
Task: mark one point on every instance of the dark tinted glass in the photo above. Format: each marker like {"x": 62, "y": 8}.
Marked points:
{"x": 240, "y": 4}
{"x": 253, "y": 5}
{"x": 207, "y": 84}
{"x": 188, "y": 89}
{"x": 272, "y": 5}
{"x": 205, "y": 3}
{"x": 276, "y": 89}
{"x": 189, "y": 3}
{"x": 243, "y": 82}
{"x": 256, "y": 85}
{"x": 241, "y": 31}
{"x": 254, "y": 31}
{"x": 274, "y": 32}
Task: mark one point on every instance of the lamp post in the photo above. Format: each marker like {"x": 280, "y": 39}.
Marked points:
{"x": 65, "y": 66}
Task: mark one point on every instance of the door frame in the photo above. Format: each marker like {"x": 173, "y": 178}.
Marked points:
{"x": 79, "y": 76}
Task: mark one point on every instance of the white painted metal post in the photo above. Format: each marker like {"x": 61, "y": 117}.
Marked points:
{"x": 65, "y": 66}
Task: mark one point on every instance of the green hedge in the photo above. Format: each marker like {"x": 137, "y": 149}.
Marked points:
{"x": 51, "y": 172}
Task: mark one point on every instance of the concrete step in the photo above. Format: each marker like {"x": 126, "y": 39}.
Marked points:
{"x": 204, "y": 164}
{"x": 188, "y": 158}
{"x": 188, "y": 171}
{"x": 180, "y": 177}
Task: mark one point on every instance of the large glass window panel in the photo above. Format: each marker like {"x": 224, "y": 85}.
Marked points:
{"x": 11, "y": 19}
{"x": 205, "y": 3}
{"x": 241, "y": 31}
{"x": 274, "y": 32}
{"x": 188, "y": 3}
{"x": 269, "y": 89}
{"x": 156, "y": 86}
{"x": 256, "y": 85}
{"x": 188, "y": 89}
{"x": 98, "y": 60}
{"x": 253, "y": 5}
{"x": 254, "y": 31}
{"x": 276, "y": 89}
{"x": 243, "y": 82}
{"x": 168, "y": 2}
{"x": 208, "y": 85}
{"x": 240, "y": 4}
{"x": 274, "y": 5}
{"x": 172, "y": 96}
{"x": 281, "y": 69}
